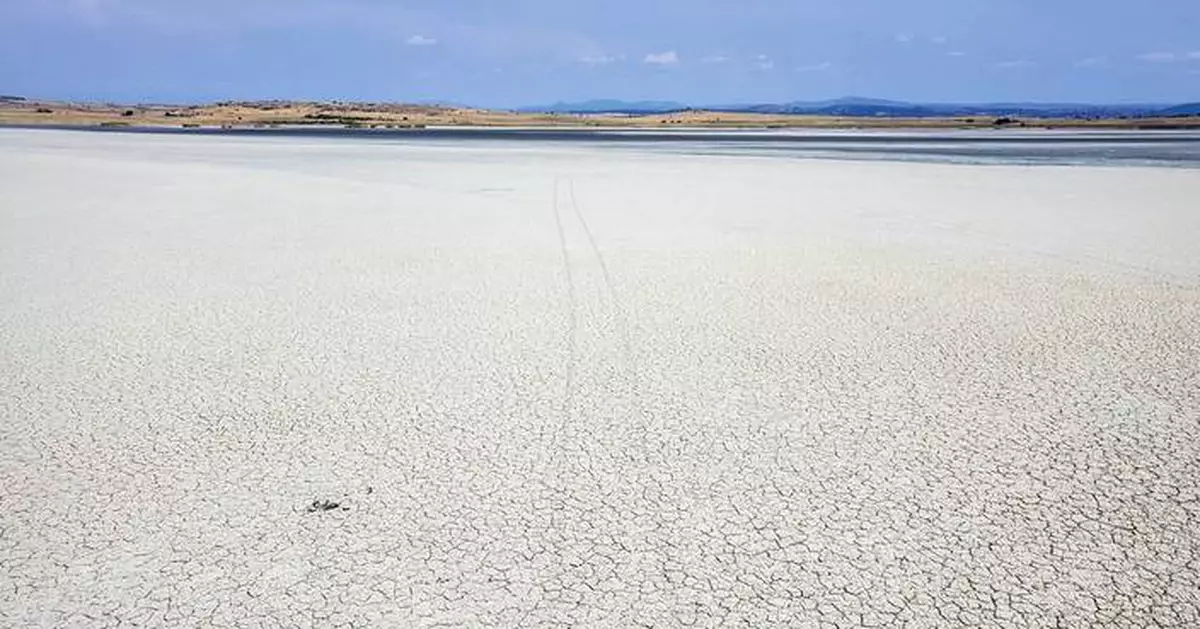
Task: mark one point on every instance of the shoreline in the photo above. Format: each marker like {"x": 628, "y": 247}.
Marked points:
{"x": 1027, "y": 147}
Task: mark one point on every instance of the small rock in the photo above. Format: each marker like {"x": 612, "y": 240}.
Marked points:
{"x": 324, "y": 505}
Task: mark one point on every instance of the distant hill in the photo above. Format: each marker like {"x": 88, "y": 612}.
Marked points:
{"x": 858, "y": 106}
{"x": 1188, "y": 109}
{"x": 844, "y": 102}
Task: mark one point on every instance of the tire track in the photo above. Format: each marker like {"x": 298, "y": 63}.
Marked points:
{"x": 572, "y": 326}
{"x": 622, "y": 317}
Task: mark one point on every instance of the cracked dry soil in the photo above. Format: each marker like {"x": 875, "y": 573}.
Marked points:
{"x": 590, "y": 387}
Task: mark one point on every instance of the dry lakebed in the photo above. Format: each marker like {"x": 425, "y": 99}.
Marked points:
{"x": 257, "y": 380}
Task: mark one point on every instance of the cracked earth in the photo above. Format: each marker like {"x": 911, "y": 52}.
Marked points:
{"x": 283, "y": 382}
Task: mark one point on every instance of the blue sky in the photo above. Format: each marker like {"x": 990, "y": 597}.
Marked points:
{"x": 520, "y": 52}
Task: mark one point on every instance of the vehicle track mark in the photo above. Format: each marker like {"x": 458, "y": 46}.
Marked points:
{"x": 572, "y": 326}
{"x": 618, "y": 305}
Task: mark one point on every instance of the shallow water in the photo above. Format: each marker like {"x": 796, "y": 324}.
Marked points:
{"x": 1121, "y": 148}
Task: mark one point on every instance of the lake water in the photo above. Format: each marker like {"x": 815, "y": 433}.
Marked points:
{"x": 1127, "y": 148}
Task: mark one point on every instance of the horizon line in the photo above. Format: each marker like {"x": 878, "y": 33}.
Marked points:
{"x": 433, "y": 102}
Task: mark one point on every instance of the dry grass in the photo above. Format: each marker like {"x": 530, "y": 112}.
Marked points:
{"x": 372, "y": 115}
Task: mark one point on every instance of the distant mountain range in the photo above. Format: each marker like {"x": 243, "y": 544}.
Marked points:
{"x": 855, "y": 106}
{"x": 1189, "y": 109}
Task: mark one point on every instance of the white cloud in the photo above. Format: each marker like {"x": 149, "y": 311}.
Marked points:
{"x": 1158, "y": 57}
{"x": 420, "y": 40}
{"x": 764, "y": 62}
{"x": 1091, "y": 62}
{"x": 377, "y": 20}
{"x": 939, "y": 40}
{"x": 904, "y": 38}
{"x": 956, "y": 53}
{"x": 816, "y": 67}
{"x": 1195, "y": 54}
{"x": 715, "y": 59}
{"x": 668, "y": 58}
{"x": 1018, "y": 63}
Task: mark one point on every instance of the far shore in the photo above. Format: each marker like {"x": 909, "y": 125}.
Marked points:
{"x": 21, "y": 112}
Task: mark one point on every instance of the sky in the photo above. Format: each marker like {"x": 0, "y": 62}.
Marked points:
{"x": 509, "y": 53}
